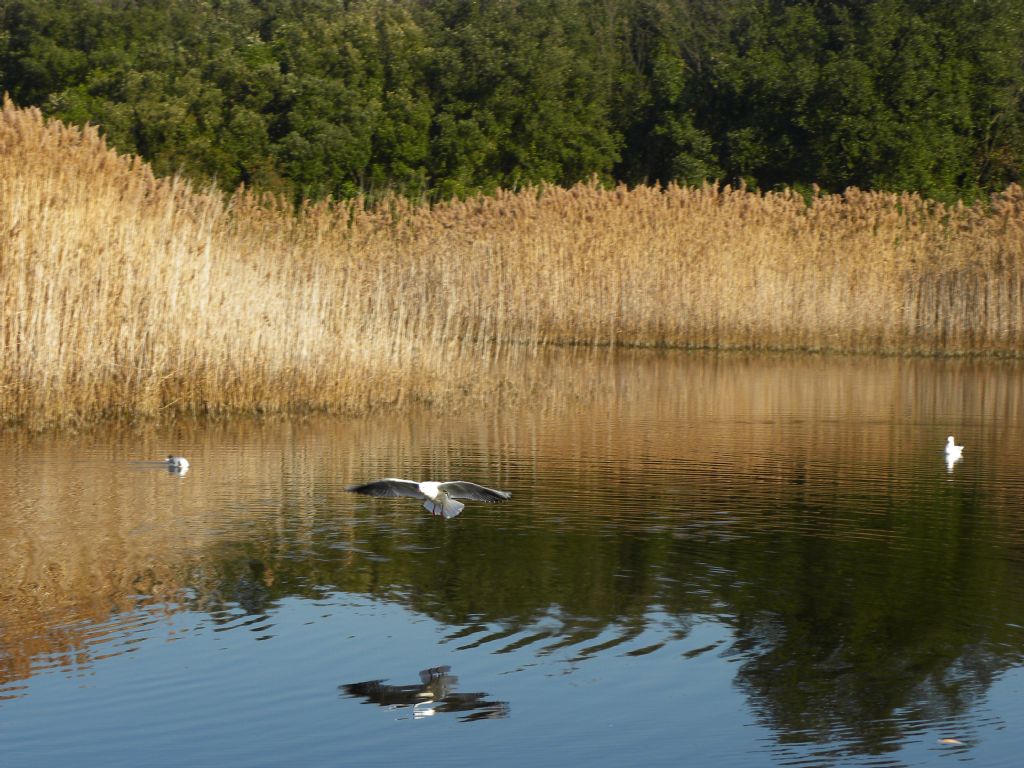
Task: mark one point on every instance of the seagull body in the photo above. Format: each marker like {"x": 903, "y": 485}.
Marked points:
{"x": 438, "y": 498}
{"x": 953, "y": 451}
{"x": 177, "y": 462}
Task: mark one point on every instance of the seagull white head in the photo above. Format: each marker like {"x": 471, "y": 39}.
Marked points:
{"x": 438, "y": 498}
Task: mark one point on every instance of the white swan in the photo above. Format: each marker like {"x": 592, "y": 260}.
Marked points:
{"x": 953, "y": 451}
{"x": 438, "y": 498}
{"x": 177, "y": 462}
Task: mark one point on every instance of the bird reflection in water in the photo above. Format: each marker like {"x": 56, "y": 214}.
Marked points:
{"x": 435, "y": 693}
{"x": 951, "y": 462}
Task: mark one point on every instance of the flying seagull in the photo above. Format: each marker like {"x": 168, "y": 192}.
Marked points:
{"x": 438, "y": 498}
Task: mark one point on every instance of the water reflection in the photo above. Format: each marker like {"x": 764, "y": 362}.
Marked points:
{"x": 435, "y": 693}
{"x": 797, "y": 502}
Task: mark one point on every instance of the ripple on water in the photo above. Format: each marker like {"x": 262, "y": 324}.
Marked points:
{"x": 728, "y": 561}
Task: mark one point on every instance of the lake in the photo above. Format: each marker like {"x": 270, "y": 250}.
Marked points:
{"x": 708, "y": 560}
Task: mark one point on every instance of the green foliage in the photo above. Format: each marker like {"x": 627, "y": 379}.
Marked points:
{"x": 452, "y": 97}
{"x": 886, "y": 94}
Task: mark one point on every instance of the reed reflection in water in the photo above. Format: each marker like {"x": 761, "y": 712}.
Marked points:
{"x": 766, "y": 554}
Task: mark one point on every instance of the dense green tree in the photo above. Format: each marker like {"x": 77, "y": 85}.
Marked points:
{"x": 990, "y": 40}
{"x": 767, "y": 75}
{"x": 450, "y": 97}
{"x": 896, "y": 106}
{"x": 884, "y": 94}
{"x": 664, "y": 102}
{"x": 521, "y": 96}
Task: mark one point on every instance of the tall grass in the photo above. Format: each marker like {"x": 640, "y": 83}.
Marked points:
{"x": 128, "y": 294}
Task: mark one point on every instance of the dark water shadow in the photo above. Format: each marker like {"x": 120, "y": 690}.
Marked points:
{"x": 434, "y": 694}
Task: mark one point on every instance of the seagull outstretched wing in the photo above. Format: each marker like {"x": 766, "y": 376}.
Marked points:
{"x": 463, "y": 489}
{"x": 391, "y": 487}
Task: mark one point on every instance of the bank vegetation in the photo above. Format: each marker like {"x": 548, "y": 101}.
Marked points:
{"x": 125, "y": 294}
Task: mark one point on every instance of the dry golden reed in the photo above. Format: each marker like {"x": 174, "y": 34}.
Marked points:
{"x": 125, "y": 294}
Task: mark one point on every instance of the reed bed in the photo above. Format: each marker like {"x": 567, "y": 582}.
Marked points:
{"x": 127, "y": 294}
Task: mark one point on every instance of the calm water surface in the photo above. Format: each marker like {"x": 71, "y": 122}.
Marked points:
{"x": 708, "y": 560}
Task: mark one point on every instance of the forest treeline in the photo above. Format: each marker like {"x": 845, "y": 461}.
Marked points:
{"x": 442, "y": 98}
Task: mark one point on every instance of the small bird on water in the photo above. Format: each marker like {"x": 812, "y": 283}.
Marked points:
{"x": 953, "y": 451}
{"x": 438, "y": 498}
{"x": 177, "y": 462}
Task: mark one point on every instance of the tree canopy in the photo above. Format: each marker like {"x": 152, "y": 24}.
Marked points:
{"x": 441, "y": 98}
